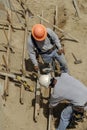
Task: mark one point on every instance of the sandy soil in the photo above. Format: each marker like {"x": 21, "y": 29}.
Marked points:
{"x": 15, "y": 116}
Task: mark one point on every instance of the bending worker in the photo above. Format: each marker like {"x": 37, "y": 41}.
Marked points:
{"x": 67, "y": 88}
{"x": 47, "y": 44}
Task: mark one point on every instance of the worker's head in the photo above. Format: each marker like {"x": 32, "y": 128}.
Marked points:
{"x": 46, "y": 80}
{"x": 39, "y": 32}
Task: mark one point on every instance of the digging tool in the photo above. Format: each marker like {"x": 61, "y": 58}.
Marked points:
{"x": 76, "y": 60}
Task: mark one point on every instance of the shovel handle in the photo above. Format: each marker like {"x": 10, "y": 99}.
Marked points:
{"x": 74, "y": 57}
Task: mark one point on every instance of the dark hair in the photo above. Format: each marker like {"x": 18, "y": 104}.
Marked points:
{"x": 52, "y": 82}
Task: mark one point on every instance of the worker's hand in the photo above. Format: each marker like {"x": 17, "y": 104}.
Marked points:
{"x": 60, "y": 51}
{"x": 36, "y": 68}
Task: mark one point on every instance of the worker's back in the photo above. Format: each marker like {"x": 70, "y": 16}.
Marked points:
{"x": 71, "y": 89}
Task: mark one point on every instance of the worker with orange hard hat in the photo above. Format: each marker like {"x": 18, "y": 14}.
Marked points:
{"x": 47, "y": 44}
{"x": 39, "y": 32}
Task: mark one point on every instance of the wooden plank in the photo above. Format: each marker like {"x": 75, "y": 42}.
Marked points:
{"x": 55, "y": 18}
{"x": 42, "y": 14}
{"x": 4, "y": 61}
{"x": 25, "y": 8}
{"x": 77, "y": 9}
{"x": 38, "y": 89}
{"x": 5, "y": 34}
{"x": 12, "y": 6}
{"x": 37, "y": 101}
{"x": 22, "y": 94}
{"x": 6, "y": 82}
{"x": 23, "y": 57}
{"x": 9, "y": 13}
{"x": 17, "y": 26}
{"x": 13, "y": 76}
{"x": 50, "y": 118}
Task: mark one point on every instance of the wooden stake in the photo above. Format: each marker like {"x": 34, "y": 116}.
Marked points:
{"x": 55, "y": 18}
{"x": 9, "y": 13}
{"x": 16, "y": 26}
{"x": 6, "y": 82}
{"x": 4, "y": 61}
{"x": 41, "y": 21}
{"x": 37, "y": 101}
{"x": 23, "y": 57}
{"x": 14, "y": 11}
{"x": 11, "y": 75}
{"x": 5, "y": 34}
{"x": 77, "y": 9}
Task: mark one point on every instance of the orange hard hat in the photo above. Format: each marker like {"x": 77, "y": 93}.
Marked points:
{"x": 39, "y": 32}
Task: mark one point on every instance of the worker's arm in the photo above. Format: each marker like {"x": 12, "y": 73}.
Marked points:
{"x": 31, "y": 52}
{"x": 54, "y": 38}
{"x": 53, "y": 102}
{"x": 56, "y": 41}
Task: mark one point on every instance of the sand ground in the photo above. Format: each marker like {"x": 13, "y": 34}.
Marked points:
{"x": 15, "y": 116}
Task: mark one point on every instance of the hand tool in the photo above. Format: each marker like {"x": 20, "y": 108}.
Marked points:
{"x": 76, "y": 60}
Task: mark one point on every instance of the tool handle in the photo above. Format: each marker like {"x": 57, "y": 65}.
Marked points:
{"x": 74, "y": 56}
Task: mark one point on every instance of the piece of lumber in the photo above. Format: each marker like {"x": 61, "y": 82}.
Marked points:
{"x": 55, "y": 22}
{"x": 11, "y": 75}
{"x": 23, "y": 57}
{"x": 4, "y": 59}
{"x": 77, "y": 9}
{"x": 12, "y": 6}
{"x": 16, "y": 26}
{"x": 37, "y": 101}
{"x": 5, "y": 34}
{"x": 6, "y": 82}
{"x": 41, "y": 21}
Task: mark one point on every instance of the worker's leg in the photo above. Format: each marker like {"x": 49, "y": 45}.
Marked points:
{"x": 65, "y": 118}
{"x": 47, "y": 58}
{"x": 62, "y": 61}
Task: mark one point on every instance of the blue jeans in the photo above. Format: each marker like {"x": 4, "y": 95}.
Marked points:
{"x": 60, "y": 58}
{"x": 65, "y": 118}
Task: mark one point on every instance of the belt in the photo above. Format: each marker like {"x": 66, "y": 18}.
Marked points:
{"x": 78, "y": 108}
{"x": 50, "y": 50}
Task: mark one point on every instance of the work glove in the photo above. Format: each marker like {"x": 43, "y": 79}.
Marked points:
{"x": 36, "y": 68}
{"x": 61, "y": 51}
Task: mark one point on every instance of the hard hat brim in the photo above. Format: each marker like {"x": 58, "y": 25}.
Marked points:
{"x": 39, "y": 39}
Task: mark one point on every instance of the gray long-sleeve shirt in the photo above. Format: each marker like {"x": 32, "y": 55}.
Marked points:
{"x": 43, "y": 45}
{"x": 70, "y": 89}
